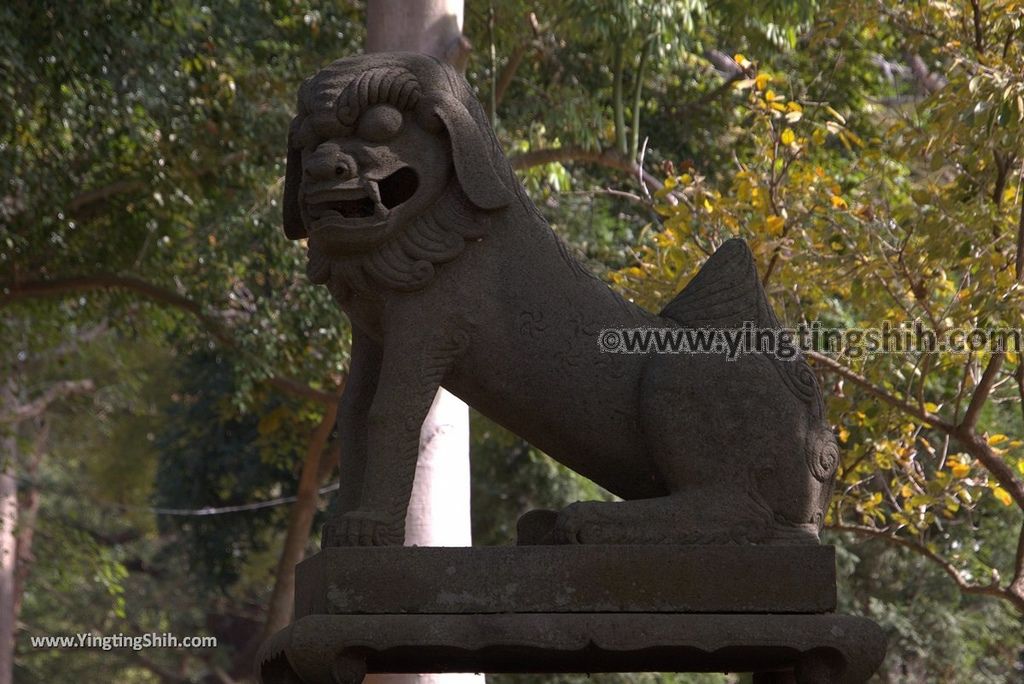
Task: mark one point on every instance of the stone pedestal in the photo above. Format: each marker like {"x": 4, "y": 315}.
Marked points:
{"x": 762, "y": 609}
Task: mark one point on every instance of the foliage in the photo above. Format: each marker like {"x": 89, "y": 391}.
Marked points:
{"x": 901, "y": 214}
{"x": 141, "y": 165}
{"x": 164, "y": 137}
{"x": 509, "y": 478}
{"x": 869, "y": 151}
{"x": 210, "y": 456}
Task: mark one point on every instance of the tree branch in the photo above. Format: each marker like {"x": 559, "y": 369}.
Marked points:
{"x": 1018, "y": 376}
{"x": 570, "y": 153}
{"x": 1019, "y": 261}
{"x": 12, "y": 293}
{"x": 973, "y": 444}
{"x": 82, "y": 203}
{"x": 55, "y": 392}
{"x": 300, "y": 521}
{"x": 979, "y": 448}
{"x": 879, "y": 392}
{"x": 1017, "y": 583}
{"x": 712, "y": 94}
{"x": 507, "y": 72}
{"x": 638, "y": 92}
{"x": 979, "y": 35}
{"x": 981, "y": 392}
{"x": 965, "y": 586}
{"x": 84, "y": 199}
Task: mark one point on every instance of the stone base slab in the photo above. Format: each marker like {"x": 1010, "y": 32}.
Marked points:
{"x": 567, "y": 579}
{"x": 341, "y": 649}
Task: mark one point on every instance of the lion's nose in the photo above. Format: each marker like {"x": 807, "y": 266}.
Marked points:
{"x": 329, "y": 162}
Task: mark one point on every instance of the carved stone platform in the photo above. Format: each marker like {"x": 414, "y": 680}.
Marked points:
{"x": 762, "y": 609}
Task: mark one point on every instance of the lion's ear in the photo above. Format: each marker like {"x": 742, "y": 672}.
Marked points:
{"x": 293, "y": 227}
{"x": 472, "y": 154}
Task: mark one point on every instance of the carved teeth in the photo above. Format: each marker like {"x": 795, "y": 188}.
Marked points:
{"x": 336, "y": 195}
{"x": 374, "y": 192}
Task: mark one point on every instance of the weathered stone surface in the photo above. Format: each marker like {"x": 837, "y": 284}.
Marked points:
{"x": 340, "y": 649}
{"x": 450, "y": 277}
{"x": 556, "y": 579}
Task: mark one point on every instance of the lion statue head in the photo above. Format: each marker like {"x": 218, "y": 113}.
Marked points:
{"x": 392, "y": 166}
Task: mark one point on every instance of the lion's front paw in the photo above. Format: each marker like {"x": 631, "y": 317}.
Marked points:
{"x": 364, "y": 528}
{"x": 574, "y": 524}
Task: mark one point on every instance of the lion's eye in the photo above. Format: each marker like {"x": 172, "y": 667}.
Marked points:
{"x": 379, "y": 123}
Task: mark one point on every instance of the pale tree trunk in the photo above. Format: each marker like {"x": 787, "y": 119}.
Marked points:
{"x": 439, "y": 508}
{"x": 18, "y": 510}
{"x": 8, "y": 534}
{"x": 431, "y": 27}
{"x": 8, "y": 564}
{"x": 28, "y": 511}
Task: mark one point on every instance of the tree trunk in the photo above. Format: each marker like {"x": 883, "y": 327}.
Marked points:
{"x": 8, "y": 532}
{"x": 28, "y": 511}
{"x": 18, "y": 510}
{"x": 439, "y": 508}
{"x": 432, "y": 27}
{"x": 300, "y": 522}
{"x": 8, "y": 563}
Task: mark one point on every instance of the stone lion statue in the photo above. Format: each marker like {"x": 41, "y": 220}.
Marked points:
{"x": 450, "y": 277}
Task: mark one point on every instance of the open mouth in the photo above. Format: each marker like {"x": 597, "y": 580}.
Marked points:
{"x": 348, "y": 203}
{"x": 362, "y": 207}
{"x": 355, "y": 201}
{"x": 398, "y": 187}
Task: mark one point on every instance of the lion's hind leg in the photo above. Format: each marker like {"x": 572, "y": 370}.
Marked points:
{"x": 697, "y": 516}
{"x": 706, "y": 424}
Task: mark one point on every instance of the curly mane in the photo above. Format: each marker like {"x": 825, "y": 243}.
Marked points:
{"x": 332, "y": 101}
{"x": 405, "y": 261}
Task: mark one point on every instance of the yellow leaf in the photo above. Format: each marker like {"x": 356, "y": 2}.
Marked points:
{"x": 762, "y": 81}
{"x": 794, "y": 107}
{"x": 788, "y": 136}
{"x": 839, "y": 117}
{"x": 1003, "y": 495}
{"x": 960, "y": 469}
{"x": 844, "y": 435}
{"x": 741, "y": 60}
{"x": 997, "y": 439}
{"x": 918, "y": 500}
{"x": 931, "y": 407}
{"x": 769, "y": 95}
{"x": 838, "y": 202}
{"x": 774, "y": 224}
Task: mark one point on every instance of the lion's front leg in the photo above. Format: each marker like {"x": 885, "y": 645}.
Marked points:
{"x": 353, "y": 411}
{"x": 410, "y": 376}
